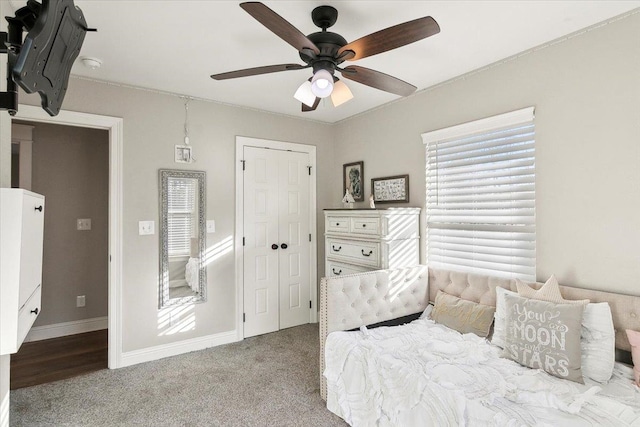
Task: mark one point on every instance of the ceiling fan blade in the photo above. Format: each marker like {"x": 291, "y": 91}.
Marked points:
{"x": 391, "y": 38}
{"x": 280, "y": 26}
{"x": 378, "y": 80}
{"x": 306, "y": 108}
{"x": 257, "y": 70}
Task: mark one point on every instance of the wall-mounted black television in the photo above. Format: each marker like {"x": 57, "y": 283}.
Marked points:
{"x": 42, "y": 62}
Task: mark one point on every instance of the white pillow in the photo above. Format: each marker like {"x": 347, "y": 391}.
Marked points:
{"x": 597, "y": 339}
{"x": 499, "y": 327}
{"x": 598, "y": 342}
{"x": 426, "y": 314}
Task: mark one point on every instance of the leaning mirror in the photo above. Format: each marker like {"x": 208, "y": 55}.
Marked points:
{"x": 183, "y": 276}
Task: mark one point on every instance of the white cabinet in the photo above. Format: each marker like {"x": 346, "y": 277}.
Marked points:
{"x": 22, "y": 231}
{"x": 358, "y": 240}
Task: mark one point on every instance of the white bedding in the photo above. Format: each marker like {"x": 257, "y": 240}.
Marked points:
{"x": 425, "y": 374}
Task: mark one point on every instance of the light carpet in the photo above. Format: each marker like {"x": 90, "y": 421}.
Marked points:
{"x": 269, "y": 380}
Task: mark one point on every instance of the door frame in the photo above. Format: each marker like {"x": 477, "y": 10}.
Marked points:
{"x": 241, "y": 143}
{"x": 114, "y": 126}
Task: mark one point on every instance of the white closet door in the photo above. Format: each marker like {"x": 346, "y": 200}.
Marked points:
{"x": 294, "y": 233}
{"x": 261, "y": 279}
{"x": 277, "y": 247}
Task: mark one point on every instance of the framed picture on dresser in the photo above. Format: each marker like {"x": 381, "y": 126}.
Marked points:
{"x": 390, "y": 189}
{"x": 353, "y": 180}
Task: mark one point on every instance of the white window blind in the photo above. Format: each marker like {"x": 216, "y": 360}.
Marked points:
{"x": 181, "y": 215}
{"x": 481, "y": 196}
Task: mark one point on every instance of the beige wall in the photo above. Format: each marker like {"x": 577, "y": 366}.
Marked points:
{"x": 586, "y": 91}
{"x": 70, "y": 167}
{"x": 153, "y": 124}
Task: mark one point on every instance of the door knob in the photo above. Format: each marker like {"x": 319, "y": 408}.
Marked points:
{"x": 35, "y": 311}
{"x": 38, "y": 208}
{"x": 284, "y": 246}
{"x": 274, "y": 246}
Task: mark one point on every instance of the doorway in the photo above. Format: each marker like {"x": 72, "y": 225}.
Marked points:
{"x": 69, "y": 165}
{"x": 275, "y": 235}
{"x": 114, "y": 127}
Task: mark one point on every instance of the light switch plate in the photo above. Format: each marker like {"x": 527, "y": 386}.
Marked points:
{"x": 211, "y": 226}
{"x": 83, "y": 224}
{"x": 146, "y": 227}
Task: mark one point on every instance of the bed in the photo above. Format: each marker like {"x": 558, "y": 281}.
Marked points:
{"x": 423, "y": 373}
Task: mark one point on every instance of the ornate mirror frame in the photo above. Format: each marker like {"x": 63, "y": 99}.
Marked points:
{"x": 165, "y": 299}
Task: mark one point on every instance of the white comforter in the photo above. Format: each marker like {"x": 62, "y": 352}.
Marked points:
{"x": 425, "y": 374}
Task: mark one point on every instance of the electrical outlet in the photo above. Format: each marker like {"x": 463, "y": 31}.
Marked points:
{"x": 83, "y": 224}
{"x": 80, "y": 301}
{"x": 146, "y": 227}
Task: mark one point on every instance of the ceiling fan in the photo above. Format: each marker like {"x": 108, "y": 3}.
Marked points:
{"x": 325, "y": 51}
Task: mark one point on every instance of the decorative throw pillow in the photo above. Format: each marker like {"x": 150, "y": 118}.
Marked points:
{"x": 426, "y": 314}
{"x": 544, "y": 335}
{"x": 499, "y": 326}
{"x": 598, "y": 342}
{"x": 550, "y": 291}
{"x": 462, "y": 315}
{"x": 634, "y": 340}
{"x": 597, "y": 338}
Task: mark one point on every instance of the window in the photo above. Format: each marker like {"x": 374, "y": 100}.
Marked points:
{"x": 182, "y": 215}
{"x": 480, "y": 202}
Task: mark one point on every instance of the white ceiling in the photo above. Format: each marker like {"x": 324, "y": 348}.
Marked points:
{"x": 175, "y": 46}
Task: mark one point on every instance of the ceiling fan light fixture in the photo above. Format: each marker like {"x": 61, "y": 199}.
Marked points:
{"x": 341, "y": 93}
{"x": 322, "y": 83}
{"x": 305, "y": 95}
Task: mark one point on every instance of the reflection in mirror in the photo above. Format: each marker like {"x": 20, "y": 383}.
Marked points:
{"x": 183, "y": 275}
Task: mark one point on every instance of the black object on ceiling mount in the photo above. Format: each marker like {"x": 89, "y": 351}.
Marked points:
{"x": 42, "y": 63}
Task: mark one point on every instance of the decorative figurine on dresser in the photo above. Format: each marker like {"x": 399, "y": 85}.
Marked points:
{"x": 358, "y": 240}
{"x": 22, "y": 231}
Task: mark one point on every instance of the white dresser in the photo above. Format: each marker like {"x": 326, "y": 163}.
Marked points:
{"x": 22, "y": 231}
{"x": 358, "y": 240}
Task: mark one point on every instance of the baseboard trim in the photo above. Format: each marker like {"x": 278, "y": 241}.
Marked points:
{"x": 67, "y": 328}
{"x": 173, "y": 349}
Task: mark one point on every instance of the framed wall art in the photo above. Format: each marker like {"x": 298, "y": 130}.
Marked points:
{"x": 353, "y": 180}
{"x": 390, "y": 189}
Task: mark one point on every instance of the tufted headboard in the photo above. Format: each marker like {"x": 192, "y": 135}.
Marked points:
{"x": 625, "y": 309}
{"x": 347, "y": 302}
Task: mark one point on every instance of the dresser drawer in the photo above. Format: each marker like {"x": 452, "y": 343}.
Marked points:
{"x": 368, "y": 226}
{"x": 339, "y": 269}
{"x": 336, "y": 224}
{"x": 28, "y": 314}
{"x": 363, "y": 253}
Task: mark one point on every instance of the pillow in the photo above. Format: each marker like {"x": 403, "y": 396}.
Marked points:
{"x": 550, "y": 291}
{"x": 499, "y": 326}
{"x": 544, "y": 335}
{"x": 426, "y": 314}
{"x": 634, "y": 340}
{"x": 462, "y": 315}
{"x": 597, "y": 338}
{"x": 598, "y": 342}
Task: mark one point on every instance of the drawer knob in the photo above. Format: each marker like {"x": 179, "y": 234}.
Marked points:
{"x": 337, "y": 224}
{"x": 337, "y": 273}
{"x": 274, "y": 246}
{"x": 35, "y": 311}
{"x": 364, "y": 225}
{"x": 284, "y": 246}
{"x": 336, "y": 249}
{"x": 38, "y": 208}
{"x": 363, "y": 254}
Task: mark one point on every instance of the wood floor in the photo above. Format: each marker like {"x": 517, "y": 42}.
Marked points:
{"x": 40, "y": 362}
